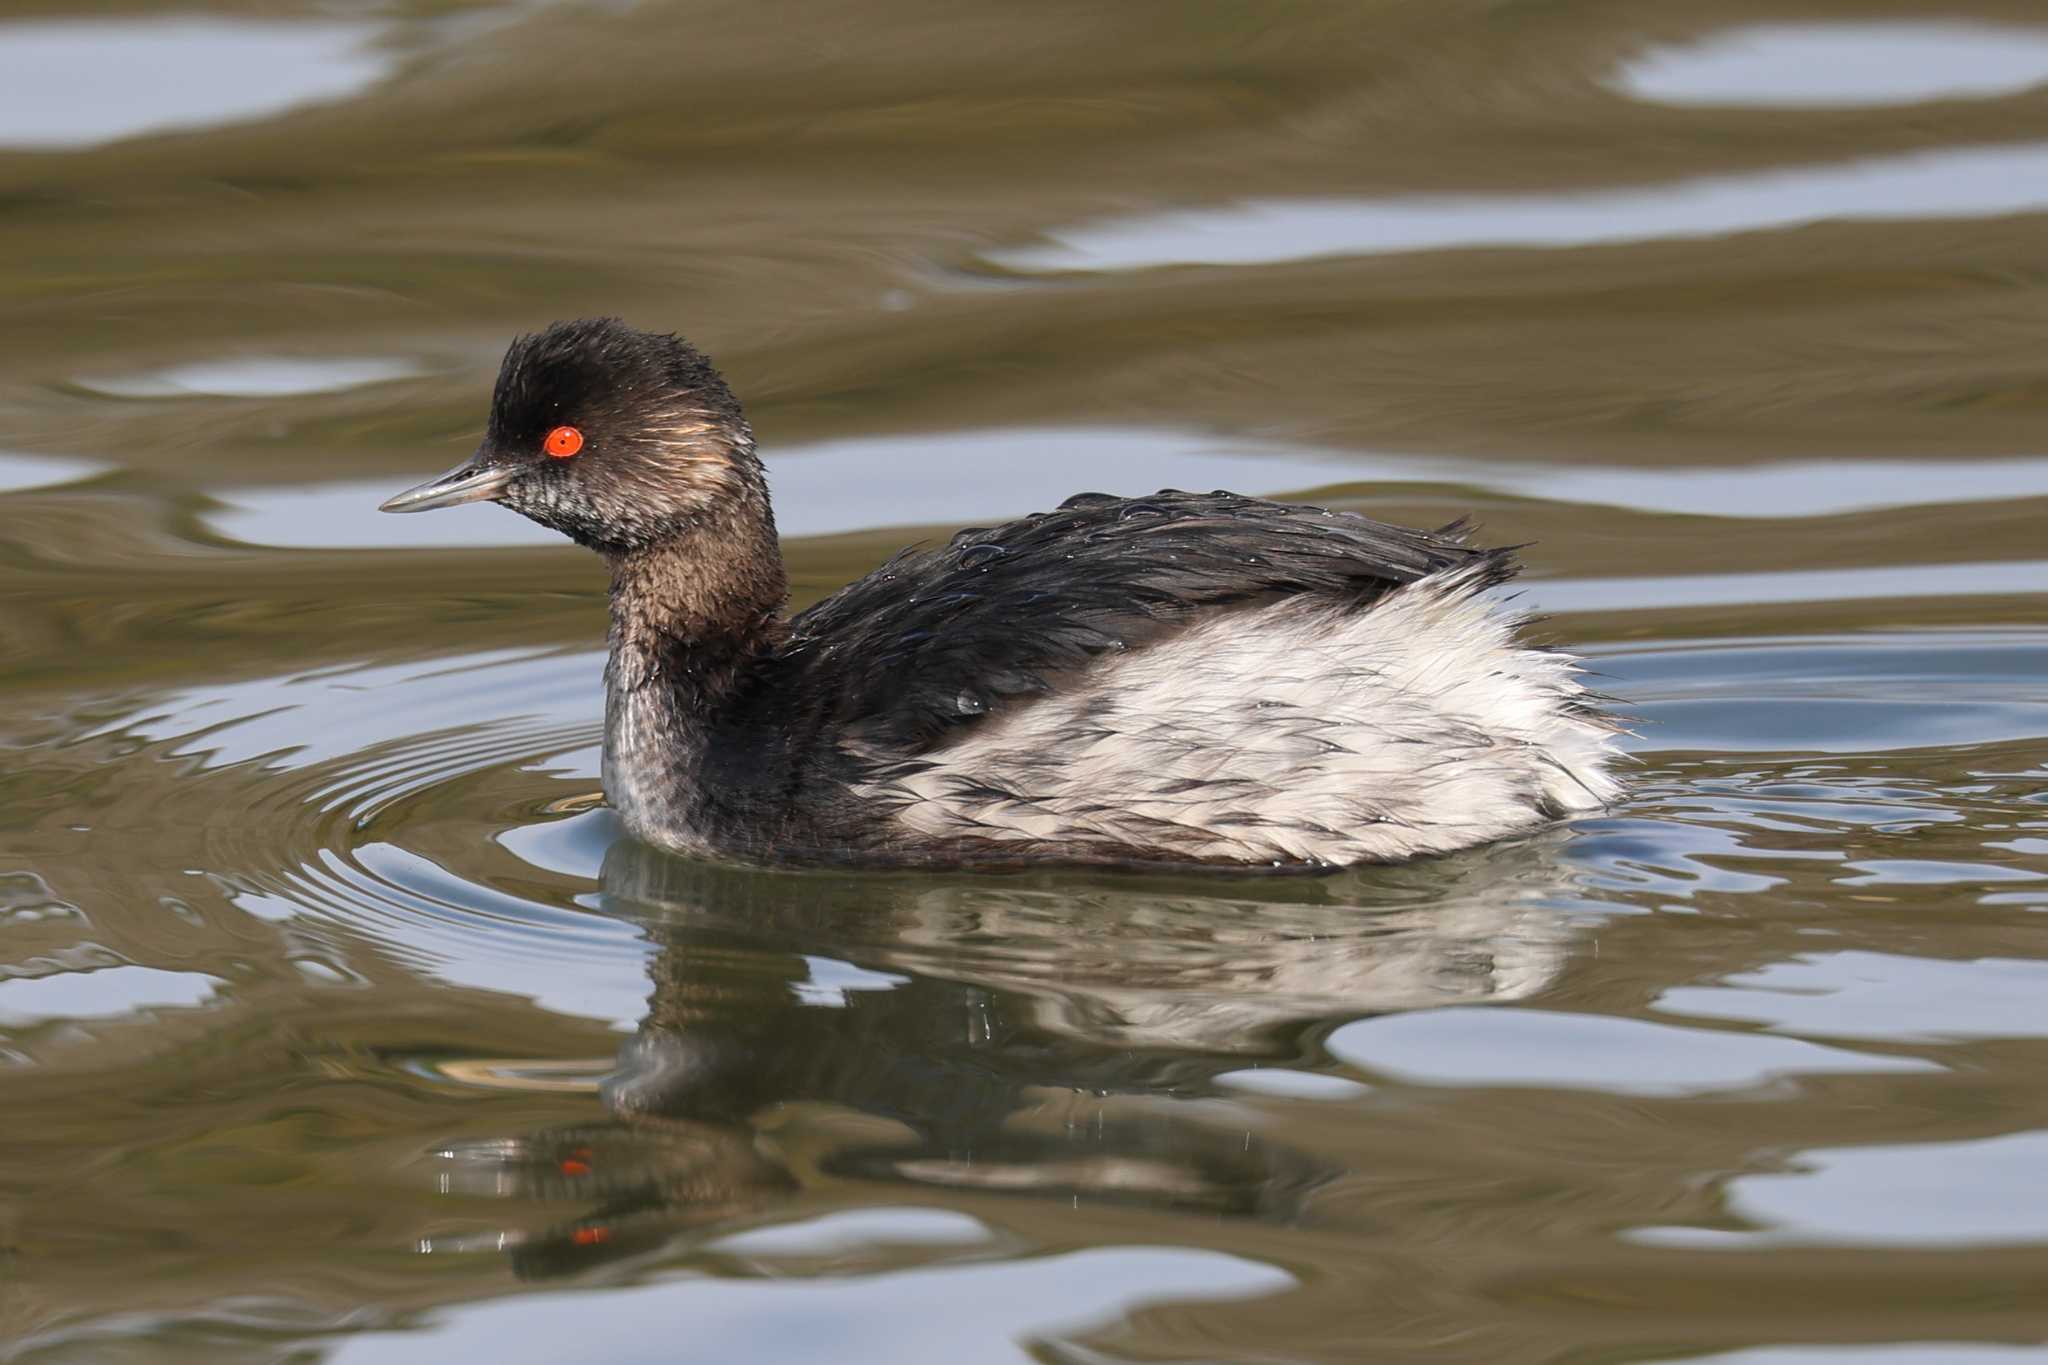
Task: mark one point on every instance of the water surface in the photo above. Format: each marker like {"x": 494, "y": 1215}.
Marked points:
{"x": 339, "y": 1023}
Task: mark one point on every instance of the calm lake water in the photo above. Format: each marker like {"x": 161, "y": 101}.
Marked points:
{"x": 339, "y": 1024}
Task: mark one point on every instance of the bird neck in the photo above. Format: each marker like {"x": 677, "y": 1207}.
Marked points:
{"x": 693, "y": 610}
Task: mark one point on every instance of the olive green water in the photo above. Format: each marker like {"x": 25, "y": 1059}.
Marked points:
{"x": 338, "y": 1024}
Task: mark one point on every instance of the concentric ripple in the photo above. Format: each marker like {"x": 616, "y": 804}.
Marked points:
{"x": 367, "y": 799}
{"x": 445, "y": 811}
{"x": 1241, "y": 1048}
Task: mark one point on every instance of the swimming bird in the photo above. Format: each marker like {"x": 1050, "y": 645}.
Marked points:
{"x": 1182, "y": 679}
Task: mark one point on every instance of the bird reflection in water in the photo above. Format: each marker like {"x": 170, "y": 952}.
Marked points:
{"x": 1029, "y": 1036}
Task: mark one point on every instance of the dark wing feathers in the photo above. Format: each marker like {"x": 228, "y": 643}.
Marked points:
{"x": 937, "y": 638}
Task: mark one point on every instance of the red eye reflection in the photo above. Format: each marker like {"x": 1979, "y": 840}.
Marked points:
{"x": 563, "y": 442}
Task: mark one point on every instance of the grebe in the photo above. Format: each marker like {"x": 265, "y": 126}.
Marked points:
{"x": 1185, "y": 679}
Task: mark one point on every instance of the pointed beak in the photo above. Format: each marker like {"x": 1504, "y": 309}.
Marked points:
{"x": 467, "y": 482}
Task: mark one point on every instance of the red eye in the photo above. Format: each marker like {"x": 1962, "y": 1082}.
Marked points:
{"x": 563, "y": 442}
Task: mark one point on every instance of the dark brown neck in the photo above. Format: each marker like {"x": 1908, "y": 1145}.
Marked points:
{"x": 692, "y": 611}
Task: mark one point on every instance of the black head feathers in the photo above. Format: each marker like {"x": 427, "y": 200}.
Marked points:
{"x": 619, "y": 439}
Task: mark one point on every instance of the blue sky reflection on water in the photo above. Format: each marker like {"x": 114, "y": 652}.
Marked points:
{"x": 1953, "y": 183}
{"x": 987, "y": 1314}
{"x": 78, "y": 83}
{"x": 1841, "y": 65}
